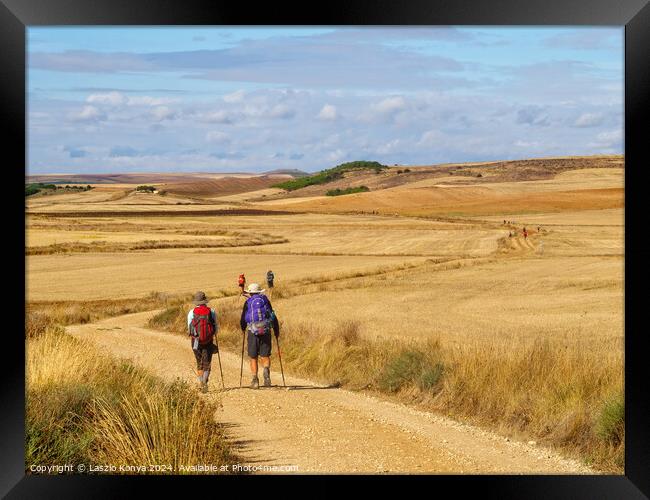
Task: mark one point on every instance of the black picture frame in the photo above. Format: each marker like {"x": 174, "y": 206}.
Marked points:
{"x": 16, "y": 15}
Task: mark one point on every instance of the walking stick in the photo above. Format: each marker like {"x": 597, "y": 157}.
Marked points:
{"x": 241, "y": 371}
{"x": 223, "y": 385}
{"x": 277, "y": 341}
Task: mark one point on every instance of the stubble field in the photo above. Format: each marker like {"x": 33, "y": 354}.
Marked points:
{"x": 430, "y": 261}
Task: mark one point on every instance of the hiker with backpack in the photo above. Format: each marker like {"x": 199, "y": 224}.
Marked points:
{"x": 202, "y": 327}
{"x": 269, "y": 278}
{"x": 241, "y": 282}
{"x": 257, "y": 320}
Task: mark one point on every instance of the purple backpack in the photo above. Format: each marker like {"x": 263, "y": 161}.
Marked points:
{"x": 258, "y": 314}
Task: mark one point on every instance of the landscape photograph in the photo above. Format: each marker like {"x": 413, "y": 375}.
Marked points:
{"x": 324, "y": 250}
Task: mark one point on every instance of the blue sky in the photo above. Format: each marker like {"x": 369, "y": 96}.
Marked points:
{"x": 138, "y": 99}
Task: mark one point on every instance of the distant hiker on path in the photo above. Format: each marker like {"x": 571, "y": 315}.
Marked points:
{"x": 269, "y": 278}
{"x": 257, "y": 319}
{"x": 202, "y": 327}
{"x": 241, "y": 282}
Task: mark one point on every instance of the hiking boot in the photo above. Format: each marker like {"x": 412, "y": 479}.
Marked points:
{"x": 267, "y": 378}
{"x": 255, "y": 383}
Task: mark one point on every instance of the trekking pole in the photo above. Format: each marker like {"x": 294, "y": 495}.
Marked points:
{"x": 241, "y": 371}
{"x": 277, "y": 341}
{"x": 223, "y": 385}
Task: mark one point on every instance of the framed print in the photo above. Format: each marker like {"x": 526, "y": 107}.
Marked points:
{"x": 378, "y": 240}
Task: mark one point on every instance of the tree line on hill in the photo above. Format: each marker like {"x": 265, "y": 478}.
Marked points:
{"x": 37, "y": 187}
{"x": 330, "y": 174}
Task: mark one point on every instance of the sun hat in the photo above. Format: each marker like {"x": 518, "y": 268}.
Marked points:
{"x": 200, "y": 298}
{"x": 254, "y": 288}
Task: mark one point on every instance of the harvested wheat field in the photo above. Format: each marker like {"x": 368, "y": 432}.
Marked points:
{"x": 137, "y": 273}
{"x": 415, "y": 317}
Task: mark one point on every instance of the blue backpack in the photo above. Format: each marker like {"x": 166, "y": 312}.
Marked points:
{"x": 258, "y": 314}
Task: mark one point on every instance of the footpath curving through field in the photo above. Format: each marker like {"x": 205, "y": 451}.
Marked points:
{"x": 317, "y": 429}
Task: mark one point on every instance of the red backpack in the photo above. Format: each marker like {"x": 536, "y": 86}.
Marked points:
{"x": 202, "y": 324}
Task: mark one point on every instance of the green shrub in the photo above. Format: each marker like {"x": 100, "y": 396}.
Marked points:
{"x": 610, "y": 424}
{"x": 431, "y": 376}
{"x": 401, "y": 370}
{"x": 170, "y": 318}
{"x": 350, "y": 190}
{"x": 36, "y": 187}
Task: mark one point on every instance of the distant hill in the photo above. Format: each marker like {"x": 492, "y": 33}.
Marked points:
{"x": 126, "y": 178}
{"x": 293, "y": 172}
{"x": 462, "y": 173}
{"x": 134, "y": 178}
{"x": 224, "y": 186}
{"x": 331, "y": 174}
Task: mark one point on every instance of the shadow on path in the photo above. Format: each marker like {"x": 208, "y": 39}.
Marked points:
{"x": 288, "y": 387}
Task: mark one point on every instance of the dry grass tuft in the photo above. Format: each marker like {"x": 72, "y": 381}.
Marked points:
{"x": 83, "y": 407}
{"x": 103, "y": 246}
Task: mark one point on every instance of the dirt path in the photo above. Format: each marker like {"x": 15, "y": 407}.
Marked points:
{"x": 324, "y": 430}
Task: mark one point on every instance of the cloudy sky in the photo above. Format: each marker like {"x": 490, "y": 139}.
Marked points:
{"x": 103, "y": 99}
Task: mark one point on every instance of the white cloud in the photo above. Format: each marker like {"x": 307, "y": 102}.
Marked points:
{"x": 389, "y": 147}
{"x": 390, "y": 105}
{"x": 117, "y": 99}
{"x": 526, "y": 144}
{"x": 162, "y": 113}
{"x": 281, "y": 111}
{"x": 610, "y": 138}
{"x": 217, "y": 137}
{"x": 220, "y": 116}
{"x": 146, "y": 100}
{"x": 328, "y": 112}
{"x": 589, "y": 120}
{"x": 237, "y": 96}
{"x": 336, "y": 155}
{"x": 109, "y": 99}
{"x": 431, "y": 138}
{"x": 88, "y": 114}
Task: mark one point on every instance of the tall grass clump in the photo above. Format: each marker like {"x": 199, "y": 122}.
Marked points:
{"x": 83, "y": 407}
{"x": 610, "y": 424}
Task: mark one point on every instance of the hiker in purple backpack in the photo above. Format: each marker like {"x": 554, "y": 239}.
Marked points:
{"x": 202, "y": 327}
{"x": 257, "y": 319}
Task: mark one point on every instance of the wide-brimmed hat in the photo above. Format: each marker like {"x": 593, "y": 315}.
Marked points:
{"x": 254, "y": 288}
{"x": 200, "y": 298}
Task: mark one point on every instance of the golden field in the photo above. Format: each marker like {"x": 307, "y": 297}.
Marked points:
{"x": 415, "y": 263}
